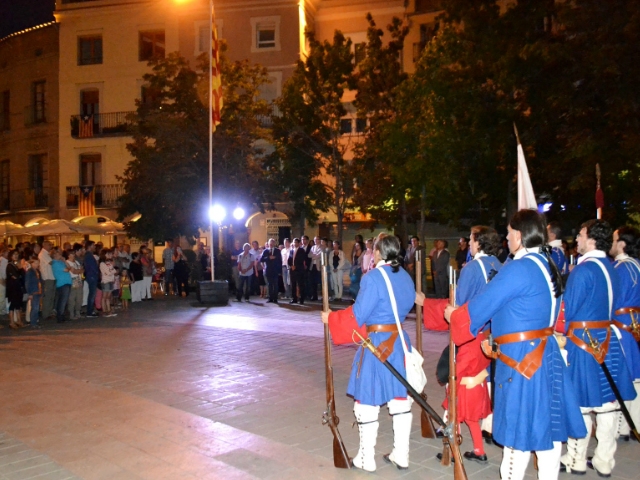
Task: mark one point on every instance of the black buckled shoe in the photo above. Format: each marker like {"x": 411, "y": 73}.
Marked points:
{"x": 488, "y": 438}
{"x": 482, "y": 459}
{"x": 387, "y": 459}
{"x": 439, "y": 457}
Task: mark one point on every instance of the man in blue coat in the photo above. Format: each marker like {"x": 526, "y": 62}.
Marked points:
{"x": 557, "y": 251}
{"x": 625, "y": 250}
{"x": 591, "y": 298}
{"x": 535, "y": 408}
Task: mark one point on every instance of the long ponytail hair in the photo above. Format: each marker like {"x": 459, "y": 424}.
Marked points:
{"x": 533, "y": 228}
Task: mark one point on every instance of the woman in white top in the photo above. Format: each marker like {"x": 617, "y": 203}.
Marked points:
{"x": 77, "y": 284}
{"x": 336, "y": 263}
{"x": 108, "y": 277}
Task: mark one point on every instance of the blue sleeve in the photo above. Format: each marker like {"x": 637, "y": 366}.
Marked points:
{"x": 501, "y": 290}
{"x": 577, "y": 292}
{"x": 470, "y": 283}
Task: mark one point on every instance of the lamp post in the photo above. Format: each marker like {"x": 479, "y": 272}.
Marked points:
{"x": 217, "y": 213}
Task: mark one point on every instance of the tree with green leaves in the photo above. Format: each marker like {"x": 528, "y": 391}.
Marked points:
{"x": 309, "y": 159}
{"x": 376, "y": 168}
{"x": 167, "y": 180}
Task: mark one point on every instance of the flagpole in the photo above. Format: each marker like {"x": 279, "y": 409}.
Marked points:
{"x": 211, "y": 247}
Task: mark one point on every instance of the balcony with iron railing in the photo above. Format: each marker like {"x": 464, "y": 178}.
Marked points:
{"x": 31, "y": 198}
{"x": 100, "y": 125}
{"x": 104, "y": 196}
{"x": 266, "y": 121}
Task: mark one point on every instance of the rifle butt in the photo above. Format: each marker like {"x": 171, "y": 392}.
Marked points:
{"x": 459, "y": 473}
{"x": 340, "y": 457}
{"x": 426, "y": 424}
{"x": 445, "y": 461}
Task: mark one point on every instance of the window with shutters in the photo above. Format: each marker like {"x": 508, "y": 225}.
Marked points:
{"x": 266, "y": 33}
{"x": 151, "y": 45}
{"x": 38, "y": 101}
{"x": 91, "y": 169}
{"x": 4, "y": 185}
{"x": 90, "y": 50}
{"x": 5, "y": 118}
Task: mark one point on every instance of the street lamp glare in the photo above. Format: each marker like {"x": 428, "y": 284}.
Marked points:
{"x": 217, "y": 213}
{"x": 238, "y": 213}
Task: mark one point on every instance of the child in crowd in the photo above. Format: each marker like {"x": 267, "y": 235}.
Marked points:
{"x": 33, "y": 285}
{"x": 107, "y": 279}
{"x": 115, "y": 295}
{"x": 125, "y": 288}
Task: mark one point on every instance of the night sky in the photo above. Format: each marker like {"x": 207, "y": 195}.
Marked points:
{"x": 16, "y": 15}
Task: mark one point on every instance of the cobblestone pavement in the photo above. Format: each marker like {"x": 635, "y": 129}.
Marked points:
{"x": 173, "y": 389}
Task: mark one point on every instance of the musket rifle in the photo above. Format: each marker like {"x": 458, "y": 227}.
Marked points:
{"x": 453, "y": 441}
{"x": 458, "y": 472}
{"x": 329, "y": 417}
{"x": 426, "y": 424}
{"x": 596, "y": 346}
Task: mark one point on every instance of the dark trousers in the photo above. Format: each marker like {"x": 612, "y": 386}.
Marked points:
{"x": 273, "y": 288}
{"x": 244, "y": 285}
{"x": 91, "y": 299}
{"x": 442, "y": 285}
{"x": 313, "y": 280}
{"x": 297, "y": 282}
{"x": 63, "y": 298}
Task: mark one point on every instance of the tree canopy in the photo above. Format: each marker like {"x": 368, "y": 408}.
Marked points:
{"x": 167, "y": 181}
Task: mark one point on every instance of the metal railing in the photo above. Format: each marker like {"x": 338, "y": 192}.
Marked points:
{"x": 266, "y": 121}
{"x": 30, "y": 198}
{"x": 99, "y": 125}
{"x": 105, "y": 196}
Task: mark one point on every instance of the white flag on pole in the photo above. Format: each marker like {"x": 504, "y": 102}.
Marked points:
{"x": 526, "y": 198}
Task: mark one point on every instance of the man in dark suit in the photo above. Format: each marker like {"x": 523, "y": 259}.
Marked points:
{"x": 298, "y": 268}
{"x": 441, "y": 259}
{"x": 272, "y": 258}
{"x": 308, "y": 275}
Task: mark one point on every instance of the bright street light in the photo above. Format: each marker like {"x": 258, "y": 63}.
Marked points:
{"x": 217, "y": 213}
{"x": 238, "y": 213}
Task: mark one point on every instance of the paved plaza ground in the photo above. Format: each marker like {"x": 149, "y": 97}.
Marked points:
{"x": 175, "y": 390}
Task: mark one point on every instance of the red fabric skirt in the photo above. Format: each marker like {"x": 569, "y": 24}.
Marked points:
{"x": 473, "y": 404}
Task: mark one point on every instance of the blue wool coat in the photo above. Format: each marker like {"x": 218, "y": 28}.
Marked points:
{"x": 528, "y": 414}
{"x": 629, "y": 274}
{"x": 372, "y": 383}
{"x": 587, "y": 298}
{"x": 473, "y": 279}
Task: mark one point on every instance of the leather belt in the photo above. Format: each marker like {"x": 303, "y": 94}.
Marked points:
{"x": 386, "y": 347}
{"x": 600, "y": 352}
{"x": 382, "y": 327}
{"x": 531, "y": 362}
{"x": 632, "y": 329}
{"x": 626, "y": 310}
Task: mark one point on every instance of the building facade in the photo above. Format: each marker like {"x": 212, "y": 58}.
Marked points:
{"x": 29, "y": 146}
{"x": 92, "y": 61}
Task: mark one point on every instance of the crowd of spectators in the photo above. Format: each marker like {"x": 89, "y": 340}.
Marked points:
{"x": 40, "y": 282}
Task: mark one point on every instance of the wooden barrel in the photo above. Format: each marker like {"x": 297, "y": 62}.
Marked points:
{"x": 216, "y": 292}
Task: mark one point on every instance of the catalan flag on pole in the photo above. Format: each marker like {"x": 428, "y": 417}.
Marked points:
{"x": 86, "y": 201}
{"x": 216, "y": 75}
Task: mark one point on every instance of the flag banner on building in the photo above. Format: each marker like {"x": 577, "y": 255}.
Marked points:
{"x": 86, "y": 201}
{"x": 526, "y": 198}
{"x": 216, "y": 75}
{"x": 599, "y": 194}
{"x": 86, "y": 126}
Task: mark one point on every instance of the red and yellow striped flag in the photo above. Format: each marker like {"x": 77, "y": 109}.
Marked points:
{"x": 86, "y": 201}
{"x": 216, "y": 75}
